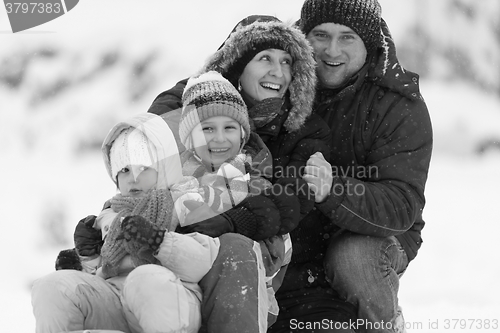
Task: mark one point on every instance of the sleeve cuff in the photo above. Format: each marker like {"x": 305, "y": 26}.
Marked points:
{"x": 243, "y": 221}
{"x": 335, "y": 198}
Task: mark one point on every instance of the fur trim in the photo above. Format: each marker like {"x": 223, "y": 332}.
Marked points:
{"x": 303, "y": 86}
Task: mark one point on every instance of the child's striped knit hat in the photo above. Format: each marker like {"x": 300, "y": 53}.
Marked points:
{"x": 209, "y": 95}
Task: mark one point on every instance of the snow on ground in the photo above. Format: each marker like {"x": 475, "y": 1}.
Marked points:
{"x": 456, "y": 272}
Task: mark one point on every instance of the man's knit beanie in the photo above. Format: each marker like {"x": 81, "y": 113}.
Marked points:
{"x": 362, "y": 16}
{"x": 132, "y": 147}
{"x": 209, "y": 95}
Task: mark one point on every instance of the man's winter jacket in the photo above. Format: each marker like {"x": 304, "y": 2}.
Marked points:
{"x": 380, "y": 154}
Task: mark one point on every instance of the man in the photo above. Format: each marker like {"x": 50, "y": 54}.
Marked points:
{"x": 370, "y": 194}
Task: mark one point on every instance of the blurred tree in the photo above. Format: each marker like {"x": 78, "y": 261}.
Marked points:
{"x": 455, "y": 39}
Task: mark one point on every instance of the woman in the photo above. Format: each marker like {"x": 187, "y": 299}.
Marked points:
{"x": 282, "y": 117}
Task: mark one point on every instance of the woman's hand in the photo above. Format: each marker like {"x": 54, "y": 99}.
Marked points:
{"x": 204, "y": 220}
{"x": 318, "y": 174}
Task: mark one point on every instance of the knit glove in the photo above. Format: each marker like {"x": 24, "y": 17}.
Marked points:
{"x": 68, "y": 259}
{"x": 137, "y": 229}
{"x": 255, "y": 217}
{"x": 302, "y": 152}
{"x": 299, "y": 188}
{"x": 212, "y": 224}
{"x": 288, "y": 206}
{"x": 88, "y": 241}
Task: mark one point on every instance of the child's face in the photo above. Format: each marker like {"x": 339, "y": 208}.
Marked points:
{"x": 217, "y": 139}
{"x": 136, "y": 180}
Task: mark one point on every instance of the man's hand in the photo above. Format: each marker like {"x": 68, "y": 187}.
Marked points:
{"x": 88, "y": 241}
{"x": 318, "y": 174}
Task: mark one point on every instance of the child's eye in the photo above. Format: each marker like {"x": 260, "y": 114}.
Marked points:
{"x": 124, "y": 170}
{"x": 207, "y": 129}
{"x": 230, "y": 127}
{"x": 287, "y": 62}
{"x": 265, "y": 57}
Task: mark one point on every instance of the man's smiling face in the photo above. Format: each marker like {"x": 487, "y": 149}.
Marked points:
{"x": 339, "y": 52}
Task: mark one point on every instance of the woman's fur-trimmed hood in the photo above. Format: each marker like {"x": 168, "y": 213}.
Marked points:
{"x": 290, "y": 39}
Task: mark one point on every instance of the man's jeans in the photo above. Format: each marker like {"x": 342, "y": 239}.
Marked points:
{"x": 365, "y": 271}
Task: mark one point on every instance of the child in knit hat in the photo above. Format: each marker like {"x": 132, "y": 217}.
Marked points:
{"x": 142, "y": 158}
{"x": 225, "y": 162}
{"x": 218, "y": 165}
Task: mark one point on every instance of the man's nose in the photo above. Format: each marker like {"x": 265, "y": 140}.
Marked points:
{"x": 332, "y": 48}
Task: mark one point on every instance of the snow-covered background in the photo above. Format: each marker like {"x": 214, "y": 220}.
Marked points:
{"x": 65, "y": 83}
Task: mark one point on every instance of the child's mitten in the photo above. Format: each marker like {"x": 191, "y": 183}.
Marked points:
{"x": 88, "y": 241}
{"x": 136, "y": 228}
{"x": 68, "y": 259}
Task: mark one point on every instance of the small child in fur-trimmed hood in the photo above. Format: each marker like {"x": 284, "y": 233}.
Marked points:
{"x": 142, "y": 158}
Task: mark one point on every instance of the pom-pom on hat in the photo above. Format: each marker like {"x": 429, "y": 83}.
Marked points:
{"x": 131, "y": 147}
{"x": 362, "y": 16}
{"x": 209, "y": 95}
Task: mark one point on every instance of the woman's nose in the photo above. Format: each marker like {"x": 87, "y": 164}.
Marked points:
{"x": 276, "y": 69}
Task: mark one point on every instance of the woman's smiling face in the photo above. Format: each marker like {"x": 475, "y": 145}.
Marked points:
{"x": 267, "y": 75}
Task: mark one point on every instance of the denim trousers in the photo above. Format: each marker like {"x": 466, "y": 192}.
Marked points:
{"x": 365, "y": 271}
